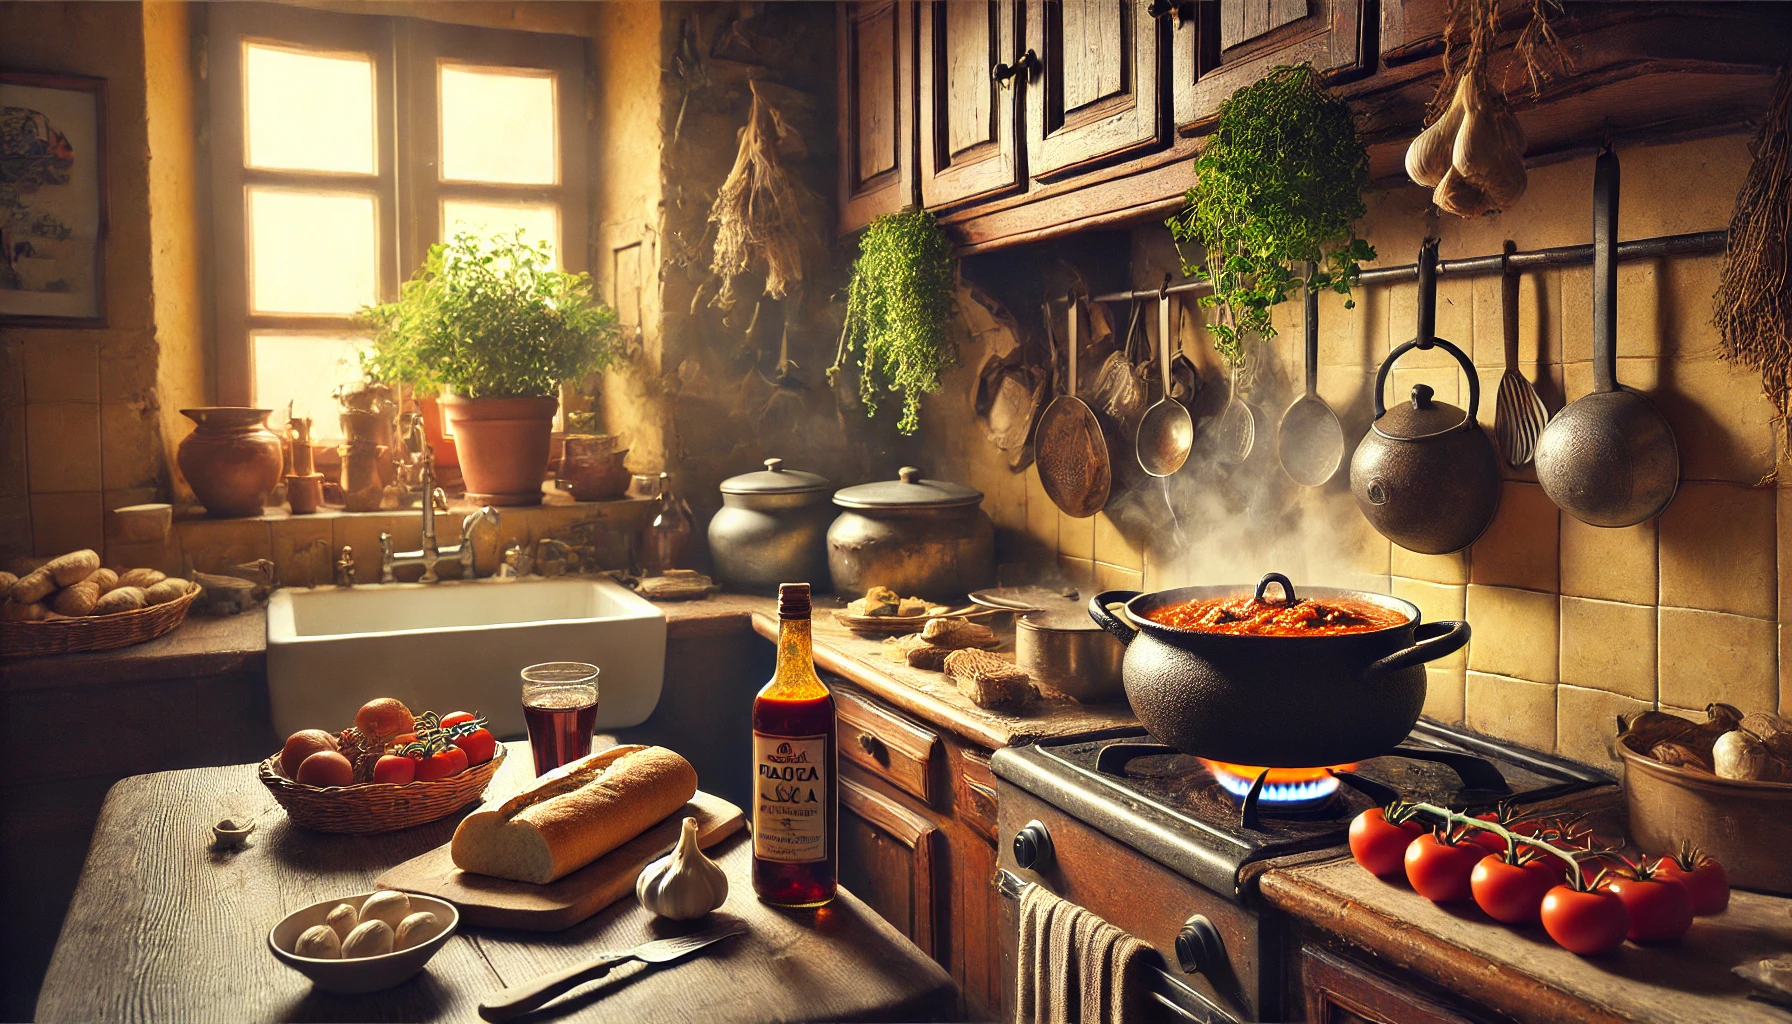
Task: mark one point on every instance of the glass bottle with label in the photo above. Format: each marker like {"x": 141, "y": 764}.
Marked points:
{"x": 796, "y": 801}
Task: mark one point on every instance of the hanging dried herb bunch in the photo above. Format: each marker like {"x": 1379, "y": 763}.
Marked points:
{"x": 1279, "y": 183}
{"x": 759, "y": 214}
{"x": 1753, "y": 311}
{"x": 896, "y": 310}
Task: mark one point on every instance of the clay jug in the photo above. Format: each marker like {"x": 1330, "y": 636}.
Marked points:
{"x": 231, "y": 459}
{"x": 592, "y": 469}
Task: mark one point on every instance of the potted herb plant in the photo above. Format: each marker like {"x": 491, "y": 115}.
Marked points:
{"x": 487, "y": 324}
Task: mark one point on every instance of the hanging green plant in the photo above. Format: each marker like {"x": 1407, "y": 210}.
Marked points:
{"x": 1279, "y": 183}
{"x": 896, "y": 310}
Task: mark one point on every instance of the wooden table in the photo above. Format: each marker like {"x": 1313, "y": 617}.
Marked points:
{"x": 164, "y": 928}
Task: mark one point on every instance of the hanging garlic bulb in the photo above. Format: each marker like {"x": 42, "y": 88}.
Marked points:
{"x": 1428, "y": 158}
{"x": 684, "y": 884}
{"x": 1460, "y": 196}
{"x": 1489, "y": 146}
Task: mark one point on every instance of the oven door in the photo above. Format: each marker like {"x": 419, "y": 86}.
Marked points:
{"x": 1214, "y": 960}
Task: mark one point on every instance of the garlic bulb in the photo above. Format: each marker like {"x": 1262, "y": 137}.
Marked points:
{"x": 386, "y": 905}
{"x": 415, "y": 930}
{"x": 1428, "y": 158}
{"x": 370, "y": 938}
{"x": 684, "y": 884}
{"x": 1739, "y": 755}
{"x": 1489, "y": 147}
{"x": 1456, "y": 194}
{"x": 343, "y": 918}
{"x": 319, "y": 942}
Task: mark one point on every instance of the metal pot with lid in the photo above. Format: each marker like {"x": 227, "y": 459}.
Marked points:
{"x": 1425, "y": 475}
{"x": 771, "y": 529}
{"x": 919, "y": 537}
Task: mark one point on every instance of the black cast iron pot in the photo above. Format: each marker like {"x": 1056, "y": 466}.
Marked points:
{"x": 1275, "y": 701}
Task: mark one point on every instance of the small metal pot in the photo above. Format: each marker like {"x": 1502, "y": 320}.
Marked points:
{"x": 771, "y": 529}
{"x": 924, "y": 538}
{"x": 1079, "y": 660}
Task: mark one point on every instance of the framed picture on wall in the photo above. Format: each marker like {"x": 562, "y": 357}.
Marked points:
{"x": 52, "y": 200}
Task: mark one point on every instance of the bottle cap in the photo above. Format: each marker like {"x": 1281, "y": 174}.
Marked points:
{"x": 793, "y": 600}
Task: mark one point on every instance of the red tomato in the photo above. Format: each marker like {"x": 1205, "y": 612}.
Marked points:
{"x": 1704, "y": 879}
{"x": 394, "y": 768}
{"x": 1378, "y": 844}
{"x": 1493, "y": 841}
{"x": 455, "y": 718}
{"x": 401, "y": 741}
{"x": 441, "y": 764}
{"x": 1511, "y": 893}
{"x": 1439, "y": 871}
{"x": 478, "y": 744}
{"x": 1587, "y": 923}
{"x": 1660, "y": 910}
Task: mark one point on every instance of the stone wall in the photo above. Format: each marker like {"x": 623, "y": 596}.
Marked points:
{"x": 1572, "y": 624}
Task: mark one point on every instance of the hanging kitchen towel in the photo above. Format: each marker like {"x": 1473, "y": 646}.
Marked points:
{"x": 1074, "y": 967}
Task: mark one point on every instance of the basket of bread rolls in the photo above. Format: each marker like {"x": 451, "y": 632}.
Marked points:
{"x": 390, "y": 770}
{"x": 71, "y": 604}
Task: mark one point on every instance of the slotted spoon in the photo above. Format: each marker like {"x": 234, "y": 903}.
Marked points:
{"x": 1519, "y": 415}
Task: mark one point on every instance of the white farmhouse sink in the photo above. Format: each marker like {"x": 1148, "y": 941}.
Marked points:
{"x": 458, "y": 646}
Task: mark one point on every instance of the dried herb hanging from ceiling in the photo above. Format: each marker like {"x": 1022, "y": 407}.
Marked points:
{"x": 1754, "y": 294}
{"x": 759, "y": 214}
{"x": 1279, "y": 183}
{"x": 896, "y": 310}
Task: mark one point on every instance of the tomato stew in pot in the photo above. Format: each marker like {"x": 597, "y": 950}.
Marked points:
{"x": 1247, "y": 615}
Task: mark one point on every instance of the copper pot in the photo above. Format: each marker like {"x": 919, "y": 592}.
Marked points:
{"x": 231, "y": 459}
{"x": 591, "y": 468}
{"x": 503, "y": 445}
{"x": 1746, "y": 826}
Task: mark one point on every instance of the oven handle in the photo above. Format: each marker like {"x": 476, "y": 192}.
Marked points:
{"x": 1162, "y": 987}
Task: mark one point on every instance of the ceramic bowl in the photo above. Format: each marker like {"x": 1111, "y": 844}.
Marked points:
{"x": 362, "y": 974}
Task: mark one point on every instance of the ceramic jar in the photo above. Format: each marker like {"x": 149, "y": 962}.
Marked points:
{"x": 924, "y": 538}
{"x": 591, "y": 468}
{"x": 231, "y": 459}
{"x": 771, "y": 529}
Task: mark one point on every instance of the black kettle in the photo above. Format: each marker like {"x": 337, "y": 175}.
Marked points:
{"x": 1426, "y": 475}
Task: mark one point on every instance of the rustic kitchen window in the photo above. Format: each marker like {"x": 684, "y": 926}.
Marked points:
{"x": 342, "y": 147}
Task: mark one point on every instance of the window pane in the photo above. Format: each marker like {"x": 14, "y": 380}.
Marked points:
{"x": 311, "y": 252}
{"x": 498, "y": 125}
{"x": 307, "y": 111}
{"x": 304, "y": 369}
{"x": 539, "y": 222}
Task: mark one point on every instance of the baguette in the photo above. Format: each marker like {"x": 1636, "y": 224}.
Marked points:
{"x": 574, "y": 814}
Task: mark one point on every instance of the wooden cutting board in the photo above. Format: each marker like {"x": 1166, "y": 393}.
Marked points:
{"x": 501, "y": 903}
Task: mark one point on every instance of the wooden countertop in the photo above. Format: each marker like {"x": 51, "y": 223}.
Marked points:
{"x": 1522, "y": 973}
{"x": 163, "y": 928}
{"x": 933, "y": 698}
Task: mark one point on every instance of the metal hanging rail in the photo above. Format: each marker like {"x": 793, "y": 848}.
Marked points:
{"x": 1697, "y": 243}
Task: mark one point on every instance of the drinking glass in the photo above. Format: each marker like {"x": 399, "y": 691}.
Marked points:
{"x": 560, "y": 707}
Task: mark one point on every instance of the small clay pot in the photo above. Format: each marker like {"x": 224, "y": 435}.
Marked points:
{"x": 305, "y": 493}
{"x": 592, "y": 469}
{"x": 503, "y": 445}
{"x": 231, "y": 459}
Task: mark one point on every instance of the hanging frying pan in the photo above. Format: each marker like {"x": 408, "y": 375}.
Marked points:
{"x": 1610, "y": 458}
{"x": 1072, "y": 453}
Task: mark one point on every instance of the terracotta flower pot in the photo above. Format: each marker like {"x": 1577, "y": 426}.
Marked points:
{"x": 231, "y": 459}
{"x": 503, "y": 446}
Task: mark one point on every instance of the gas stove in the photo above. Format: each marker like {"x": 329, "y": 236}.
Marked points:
{"x": 1106, "y": 818}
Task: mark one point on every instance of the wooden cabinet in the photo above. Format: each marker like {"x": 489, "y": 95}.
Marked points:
{"x": 973, "y": 74}
{"x": 1099, "y": 96}
{"x": 1247, "y": 38}
{"x": 1339, "y": 991}
{"x": 887, "y": 860}
{"x": 877, "y": 110}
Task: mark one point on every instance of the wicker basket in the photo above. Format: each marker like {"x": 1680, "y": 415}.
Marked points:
{"x": 377, "y": 806}
{"x": 94, "y": 632}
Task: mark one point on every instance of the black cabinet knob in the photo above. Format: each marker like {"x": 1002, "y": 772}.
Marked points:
{"x": 872, "y": 745}
{"x": 1025, "y": 66}
{"x": 1033, "y": 846}
{"x": 1198, "y": 946}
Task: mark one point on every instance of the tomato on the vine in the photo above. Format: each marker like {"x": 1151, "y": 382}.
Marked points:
{"x": 1660, "y": 908}
{"x": 455, "y": 718}
{"x": 1512, "y": 893}
{"x": 1378, "y": 844}
{"x": 478, "y": 744}
{"x": 395, "y": 768}
{"x": 1704, "y": 879}
{"x": 1508, "y": 818}
{"x": 450, "y": 760}
{"x": 1585, "y": 922}
{"x": 1438, "y": 864}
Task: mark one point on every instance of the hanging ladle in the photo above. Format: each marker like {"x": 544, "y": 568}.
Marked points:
{"x": 1311, "y": 440}
{"x": 1167, "y": 431}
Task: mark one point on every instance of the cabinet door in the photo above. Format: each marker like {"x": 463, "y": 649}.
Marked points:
{"x": 887, "y": 859}
{"x": 969, "y": 121}
{"x": 877, "y": 110}
{"x": 1338, "y": 37}
{"x": 1100, "y": 93}
{"x": 1341, "y": 992}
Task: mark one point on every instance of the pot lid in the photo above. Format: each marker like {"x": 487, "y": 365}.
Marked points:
{"x": 775, "y": 479}
{"x": 1420, "y": 418}
{"x": 908, "y": 491}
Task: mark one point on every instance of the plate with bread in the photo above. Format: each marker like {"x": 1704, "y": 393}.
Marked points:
{"x": 881, "y": 611}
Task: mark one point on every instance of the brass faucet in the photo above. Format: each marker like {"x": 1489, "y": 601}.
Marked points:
{"x": 431, "y": 553}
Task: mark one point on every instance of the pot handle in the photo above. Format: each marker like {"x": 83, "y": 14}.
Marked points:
{"x": 1431, "y": 641}
{"x": 1288, "y": 597}
{"x": 1098, "y": 610}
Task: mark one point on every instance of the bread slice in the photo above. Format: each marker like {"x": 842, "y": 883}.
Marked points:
{"x": 989, "y": 680}
{"x": 574, "y": 815}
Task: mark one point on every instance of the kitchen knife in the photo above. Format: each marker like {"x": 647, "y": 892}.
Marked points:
{"x": 520, "y": 999}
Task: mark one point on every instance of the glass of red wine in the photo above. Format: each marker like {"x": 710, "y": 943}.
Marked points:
{"x": 560, "y": 707}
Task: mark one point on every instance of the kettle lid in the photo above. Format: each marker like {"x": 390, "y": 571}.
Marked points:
{"x": 775, "y": 479}
{"x": 1420, "y": 417}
